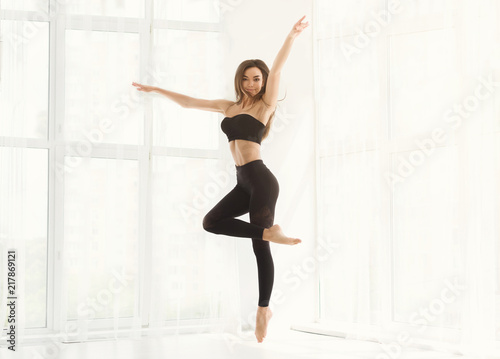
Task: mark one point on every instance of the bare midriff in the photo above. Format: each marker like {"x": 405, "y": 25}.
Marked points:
{"x": 244, "y": 151}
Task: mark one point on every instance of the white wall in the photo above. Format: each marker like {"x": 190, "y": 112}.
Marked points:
{"x": 257, "y": 29}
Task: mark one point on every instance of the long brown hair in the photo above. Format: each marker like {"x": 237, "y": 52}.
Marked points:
{"x": 238, "y": 79}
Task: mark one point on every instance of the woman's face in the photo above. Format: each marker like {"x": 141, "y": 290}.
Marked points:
{"x": 252, "y": 81}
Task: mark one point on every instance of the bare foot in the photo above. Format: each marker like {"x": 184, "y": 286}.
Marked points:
{"x": 276, "y": 235}
{"x": 264, "y": 314}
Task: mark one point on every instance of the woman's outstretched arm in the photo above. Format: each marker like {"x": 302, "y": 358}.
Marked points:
{"x": 272, "y": 87}
{"x": 187, "y": 101}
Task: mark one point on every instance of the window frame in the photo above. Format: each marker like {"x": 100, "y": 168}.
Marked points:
{"x": 57, "y": 148}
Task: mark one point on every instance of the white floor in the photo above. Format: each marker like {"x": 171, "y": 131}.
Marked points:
{"x": 289, "y": 344}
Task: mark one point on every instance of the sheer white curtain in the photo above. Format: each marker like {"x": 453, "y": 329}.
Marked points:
{"x": 24, "y": 173}
{"x": 408, "y": 144}
{"x": 104, "y": 188}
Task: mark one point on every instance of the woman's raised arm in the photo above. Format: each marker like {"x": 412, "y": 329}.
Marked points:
{"x": 280, "y": 59}
{"x": 272, "y": 87}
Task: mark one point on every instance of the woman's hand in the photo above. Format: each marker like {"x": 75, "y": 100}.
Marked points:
{"x": 144, "y": 88}
{"x": 298, "y": 27}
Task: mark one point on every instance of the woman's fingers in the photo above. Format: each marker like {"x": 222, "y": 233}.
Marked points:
{"x": 300, "y": 21}
{"x": 139, "y": 86}
{"x": 300, "y": 25}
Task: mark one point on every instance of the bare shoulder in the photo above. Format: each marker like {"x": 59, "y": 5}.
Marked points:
{"x": 225, "y": 105}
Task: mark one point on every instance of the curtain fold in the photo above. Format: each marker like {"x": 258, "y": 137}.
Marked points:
{"x": 409, "y": 159}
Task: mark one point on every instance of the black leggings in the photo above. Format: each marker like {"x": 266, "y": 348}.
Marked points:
{"x": 256, "y": 192}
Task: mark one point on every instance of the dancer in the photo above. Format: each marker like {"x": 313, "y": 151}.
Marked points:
{"x": 247, "y": 123}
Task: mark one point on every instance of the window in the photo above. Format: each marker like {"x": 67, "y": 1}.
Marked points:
{"x": 407, "y": 157}
{"x": 97, "y": 177}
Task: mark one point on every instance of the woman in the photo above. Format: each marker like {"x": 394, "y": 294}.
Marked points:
{"x": 247, "y": 123}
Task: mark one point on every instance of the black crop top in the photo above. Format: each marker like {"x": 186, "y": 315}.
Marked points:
{"x": 243, "y": 127}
